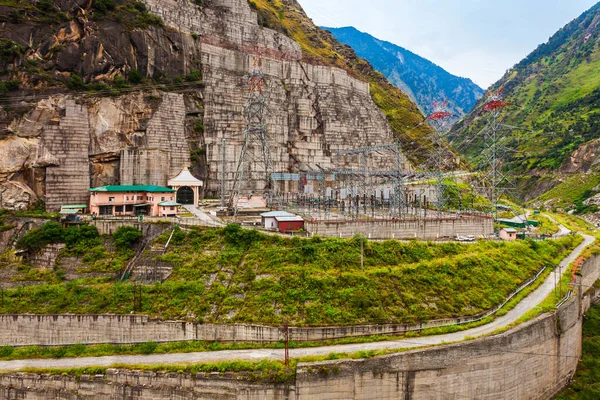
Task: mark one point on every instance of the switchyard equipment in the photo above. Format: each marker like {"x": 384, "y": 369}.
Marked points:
{"x": 254, "y": 168}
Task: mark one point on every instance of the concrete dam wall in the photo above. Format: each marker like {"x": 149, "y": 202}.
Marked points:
{"x": 532, "y": 361}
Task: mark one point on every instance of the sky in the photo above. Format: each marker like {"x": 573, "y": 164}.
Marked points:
{"x": 477, "y": 39}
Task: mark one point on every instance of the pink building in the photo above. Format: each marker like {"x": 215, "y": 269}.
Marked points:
{"x": 153, "y": 201}
{"x": 508, "y": 234}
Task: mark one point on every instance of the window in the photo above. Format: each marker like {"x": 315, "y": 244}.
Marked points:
{"x": 162, "y": 199}
{"x": 111, "y": 199}
{"x": 171, "y": 198}
{"x": 119, "y": 209}
{"x": 106, "y": 210}
{"x": 128, "y": 208}
{"x": 172, "y": 208}
{"x": 127, "y": 198}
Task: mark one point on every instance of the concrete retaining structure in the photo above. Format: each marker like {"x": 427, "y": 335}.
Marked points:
{"x": 533, "y": 361}
{"x": 405, "y": 229}
{"x": 56, "y": 330}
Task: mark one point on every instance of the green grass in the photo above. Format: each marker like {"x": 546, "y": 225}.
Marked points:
{"x": 573, "y": 188}
{"x": 547, "y": 226}
{"x": 586, "y": 383}
{"x": 238, "y": 276}
{"x": 257, "y": 371}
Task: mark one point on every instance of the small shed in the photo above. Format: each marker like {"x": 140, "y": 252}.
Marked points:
{"x": 73, "y": 209}
{"x": 508, "y": 234}
{"x": 282, "y": 221}
{"x": 289, "y": 224}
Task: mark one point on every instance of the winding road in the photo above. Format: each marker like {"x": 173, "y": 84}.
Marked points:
{"x": 513, "y": 315}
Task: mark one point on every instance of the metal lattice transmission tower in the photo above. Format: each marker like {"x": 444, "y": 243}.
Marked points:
{"x": 494, "y": 182}
{"x": 441, "y": 159}
{"x": 254, "y": 169}
{"x": 361, "y": 182}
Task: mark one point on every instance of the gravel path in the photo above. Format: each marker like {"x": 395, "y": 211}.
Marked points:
{"x": 523, "y": 307}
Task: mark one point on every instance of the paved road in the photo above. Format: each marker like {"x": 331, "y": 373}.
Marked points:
{"x": 203, "y": 216}
{"x": 527, "y": 304}
{"x": 562, "y": 230}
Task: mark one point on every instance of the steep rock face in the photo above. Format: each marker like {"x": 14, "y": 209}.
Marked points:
{"x": 583, "y": 160}
{"x": 71, "y": 141}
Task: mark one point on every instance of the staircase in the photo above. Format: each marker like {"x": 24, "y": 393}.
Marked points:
{"x": 148, "y": 269}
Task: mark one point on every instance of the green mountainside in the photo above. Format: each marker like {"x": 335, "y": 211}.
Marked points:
{"x": 554, "y": 95}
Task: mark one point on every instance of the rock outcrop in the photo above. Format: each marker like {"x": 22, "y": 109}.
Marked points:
{"x": 65, "y": 142}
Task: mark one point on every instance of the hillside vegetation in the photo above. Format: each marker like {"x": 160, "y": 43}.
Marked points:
{"x": 319, "y": 46}
{"x": 586, "y": 383}
{"x": 240, "y": 276}
{"x": 554, "y": 94}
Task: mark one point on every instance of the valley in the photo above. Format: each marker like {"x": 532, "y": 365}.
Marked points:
{"x": 218, "y": 199}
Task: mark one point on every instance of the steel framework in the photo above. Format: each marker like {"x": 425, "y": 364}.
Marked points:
{"x": 254, "y": 168}
{"x": 494, "y": 182}
{"x": 441, "y": 157}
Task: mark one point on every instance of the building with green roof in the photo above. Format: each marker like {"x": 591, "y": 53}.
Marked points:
{"x": 151, "y": 200}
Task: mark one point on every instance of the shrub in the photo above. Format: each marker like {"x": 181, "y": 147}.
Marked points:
{"x": 194, "y": 76}
{"x": 76, "y": 82}
{"x": 135, "y": 76}
{"x": 148, "y": 348}
{"x": 199, "y": 127}
{"x": 120, "y": 82}
{"x": 35, "y": 239}
{"x": 178, "y": 236}
{"x": 103, "y": 6}
{"x": 126, "y": 236}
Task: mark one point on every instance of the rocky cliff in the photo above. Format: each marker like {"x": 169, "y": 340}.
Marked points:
{"x": 147, "y": 95}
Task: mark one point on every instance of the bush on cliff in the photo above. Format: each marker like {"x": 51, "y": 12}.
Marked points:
{"x": 74, "y": 237}
{"x": 126, "y": 236}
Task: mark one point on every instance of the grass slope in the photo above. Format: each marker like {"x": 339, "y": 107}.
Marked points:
{"x": 232, "y": 275}
{"x": 554, "y": 93}
{"x": 586, "y": 383}
{"x": 573, "y": 189}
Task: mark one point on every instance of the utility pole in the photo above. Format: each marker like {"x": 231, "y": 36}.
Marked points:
{"x": 286, "y": 340}
{"x": 362, "y": 254}
{"x": 254, "y": 163}
{"x": 223, "y": 171}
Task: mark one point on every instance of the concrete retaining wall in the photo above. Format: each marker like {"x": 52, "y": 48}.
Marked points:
{"x": 54, "y": 330}
{"x": 110, "y": 226}
{"x": 405, "y": 229}
{"x": 533, "y": 361}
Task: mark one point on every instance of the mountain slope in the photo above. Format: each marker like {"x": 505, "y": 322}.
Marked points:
{"x": 421, "y": 79}
{"x": 128, "y": 92}
{"x": 320, "y": 46}
{"x": 555, "y": 96}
